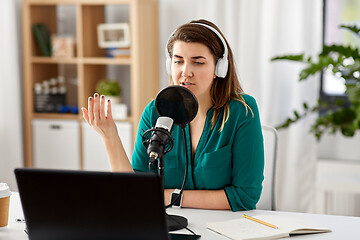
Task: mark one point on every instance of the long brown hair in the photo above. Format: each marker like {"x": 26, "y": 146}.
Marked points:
{"x": 223, "y": 89}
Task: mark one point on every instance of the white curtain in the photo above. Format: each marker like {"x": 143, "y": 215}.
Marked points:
{"x": 11, "y": 141}
{"x": 258, "y": 30}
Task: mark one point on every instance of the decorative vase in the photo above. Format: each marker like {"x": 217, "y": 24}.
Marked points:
{"x": 113, "y": 99}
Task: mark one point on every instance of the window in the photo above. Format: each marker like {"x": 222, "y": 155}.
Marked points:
{"x": 336, "y": 13}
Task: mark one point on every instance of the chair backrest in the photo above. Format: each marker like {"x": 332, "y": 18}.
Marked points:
{"x": 267, "y": 200}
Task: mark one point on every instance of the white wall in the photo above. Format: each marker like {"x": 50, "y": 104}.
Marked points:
{"x": 11, "y": 142}
{"x": 337, "y": 146}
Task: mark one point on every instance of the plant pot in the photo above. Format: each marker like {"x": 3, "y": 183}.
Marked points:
{"x": 113, "y": 99}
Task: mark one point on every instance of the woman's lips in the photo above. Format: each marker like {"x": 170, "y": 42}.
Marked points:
{"x": 186, "y": 84}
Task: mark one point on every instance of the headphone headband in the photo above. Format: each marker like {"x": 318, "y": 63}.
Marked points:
{"x": 222, "y": 63}
{"x": 225, "y": 55}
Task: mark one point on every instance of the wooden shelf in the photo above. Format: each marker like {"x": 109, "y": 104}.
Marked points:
{"x": 70, "y": 116}
{"x": 56, "y": 116}
{"x": 128, "y": 119}
{"x": 89, "y": 66}
{"x": 54, "y": 60}
{"x": 126, "y": 60}
{"x": 73, "y": 2}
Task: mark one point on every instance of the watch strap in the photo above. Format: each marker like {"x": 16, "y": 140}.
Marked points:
{"x": 176, "y": 198}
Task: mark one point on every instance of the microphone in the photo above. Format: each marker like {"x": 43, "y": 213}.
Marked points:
{"x": 160, "y": 138}
{"x": 181, "y": 105}
{"x": 175, "y": 105}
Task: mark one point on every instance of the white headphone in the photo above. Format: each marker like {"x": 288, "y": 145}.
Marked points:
{"x": 222, "y": 64}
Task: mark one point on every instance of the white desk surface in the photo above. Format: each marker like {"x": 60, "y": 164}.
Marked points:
{"x": 342, "y": 227}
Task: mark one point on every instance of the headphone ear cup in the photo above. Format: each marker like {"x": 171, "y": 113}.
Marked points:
{"x": 221, "y": 67}
{"x": 168, "y": 65}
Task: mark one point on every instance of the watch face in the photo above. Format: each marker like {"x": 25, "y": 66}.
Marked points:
{"x": 176, "y": 199}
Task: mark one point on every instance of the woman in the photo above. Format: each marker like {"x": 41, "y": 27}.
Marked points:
{"x": 225, "y": 138}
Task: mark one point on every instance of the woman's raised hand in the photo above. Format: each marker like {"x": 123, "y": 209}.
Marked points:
{"x": 95, "y": 115}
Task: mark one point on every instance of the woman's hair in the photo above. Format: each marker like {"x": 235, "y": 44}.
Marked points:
{"x": 223, "y": 89}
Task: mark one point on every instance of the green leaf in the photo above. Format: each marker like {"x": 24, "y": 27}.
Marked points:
{"x": 313, "y": 68}
{"x": 348, "y": 130}
{"x": 296, "y": 58}
{"x": 296, "y": 115}
{"x": 344, "y": 116}
{"x": 306, "y": 107}
{"x": 107, "y": 87}
{"x": 339, "y": 102}
{"x": 354, "y": 94}
{"x": 353, "y": 29}
{"x": 346, "y": 51}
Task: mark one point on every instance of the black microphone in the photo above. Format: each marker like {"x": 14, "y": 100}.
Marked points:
{"x": 160, "y": 138}
{"x": 181, "y": 105}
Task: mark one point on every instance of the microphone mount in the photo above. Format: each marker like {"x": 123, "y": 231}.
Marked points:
{"x": 179, "y": 104}
{"x": 165, "y": 145}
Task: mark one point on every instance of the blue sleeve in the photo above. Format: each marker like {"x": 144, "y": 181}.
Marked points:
{"x": 248, "y": 161}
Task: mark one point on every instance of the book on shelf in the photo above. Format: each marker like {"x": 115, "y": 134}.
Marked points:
{"x": 244, "y": 228}
{"x": 43, "y": 39}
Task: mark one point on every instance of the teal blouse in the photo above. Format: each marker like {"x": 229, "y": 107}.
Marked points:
{"x": 232, "y": 159}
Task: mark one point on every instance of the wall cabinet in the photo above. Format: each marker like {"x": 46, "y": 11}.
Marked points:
{"x": 338, "y": 187}
{"x": 94, "y": 152}
{"x": 137, "y": 72}
{"x": 56, "y": 144}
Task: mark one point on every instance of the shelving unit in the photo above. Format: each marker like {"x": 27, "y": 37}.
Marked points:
{"x": 90, "y": 63}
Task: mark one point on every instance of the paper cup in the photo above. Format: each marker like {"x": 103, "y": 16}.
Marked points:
{"x": 4, "y": 204}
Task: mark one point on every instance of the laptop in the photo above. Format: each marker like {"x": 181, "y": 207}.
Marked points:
{"x": 69, "y": 204}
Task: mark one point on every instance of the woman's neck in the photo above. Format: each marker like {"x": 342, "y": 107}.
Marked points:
{"x": 205, "y": 104}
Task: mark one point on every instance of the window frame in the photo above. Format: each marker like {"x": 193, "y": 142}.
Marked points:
{"x": 330, "y": 99}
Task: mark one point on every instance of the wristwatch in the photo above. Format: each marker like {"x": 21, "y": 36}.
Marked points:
{"x": 176, "y": 198}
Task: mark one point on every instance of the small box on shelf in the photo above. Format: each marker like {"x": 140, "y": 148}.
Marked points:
{"x": 50, "y": 95}
{"x": 48, "y": 103}
{"x": 63, "y": 46}
{"x": 119, "y": 111}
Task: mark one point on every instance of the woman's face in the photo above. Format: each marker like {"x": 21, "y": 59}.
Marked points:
{"x": 193, "y": 67}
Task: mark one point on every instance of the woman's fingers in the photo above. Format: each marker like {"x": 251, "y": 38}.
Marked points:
{"x": 95, "y": 114}
{"x": 102, "y": 107}
{"x": 85, "y": 114}
{"x": 96, "y": 117}
{"x": 90, "y": 110}
{"x": 108, "y": 110}
{"x": 96, "y": 108}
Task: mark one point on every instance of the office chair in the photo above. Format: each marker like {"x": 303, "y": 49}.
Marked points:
{"x": 267, "y": 199}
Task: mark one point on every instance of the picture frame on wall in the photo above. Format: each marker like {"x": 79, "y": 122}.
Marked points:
{"x": 113, "y": 35}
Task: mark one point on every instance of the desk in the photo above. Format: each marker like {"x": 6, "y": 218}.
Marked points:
{"x": 343, "y": 227}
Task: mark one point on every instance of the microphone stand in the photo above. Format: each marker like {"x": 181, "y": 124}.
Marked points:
{"x": 174, "y": 222}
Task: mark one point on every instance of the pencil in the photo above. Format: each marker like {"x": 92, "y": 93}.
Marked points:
{"x": 259, "y": 221}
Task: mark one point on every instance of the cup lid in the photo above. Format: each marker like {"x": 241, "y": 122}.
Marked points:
{"x": 4, "y": 190}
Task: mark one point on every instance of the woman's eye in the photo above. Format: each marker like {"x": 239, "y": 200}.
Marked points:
{"x": 199, "y": 63}
{"x": 177, "y": 62}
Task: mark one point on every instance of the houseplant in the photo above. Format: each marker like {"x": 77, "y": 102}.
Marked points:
{"x": 111, "y": 90}
{"x": 344, "y": 62}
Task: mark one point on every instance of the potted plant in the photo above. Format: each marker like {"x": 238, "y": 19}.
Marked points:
{"x": 344, "y": 62}
{"x": 110, "y": 89}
